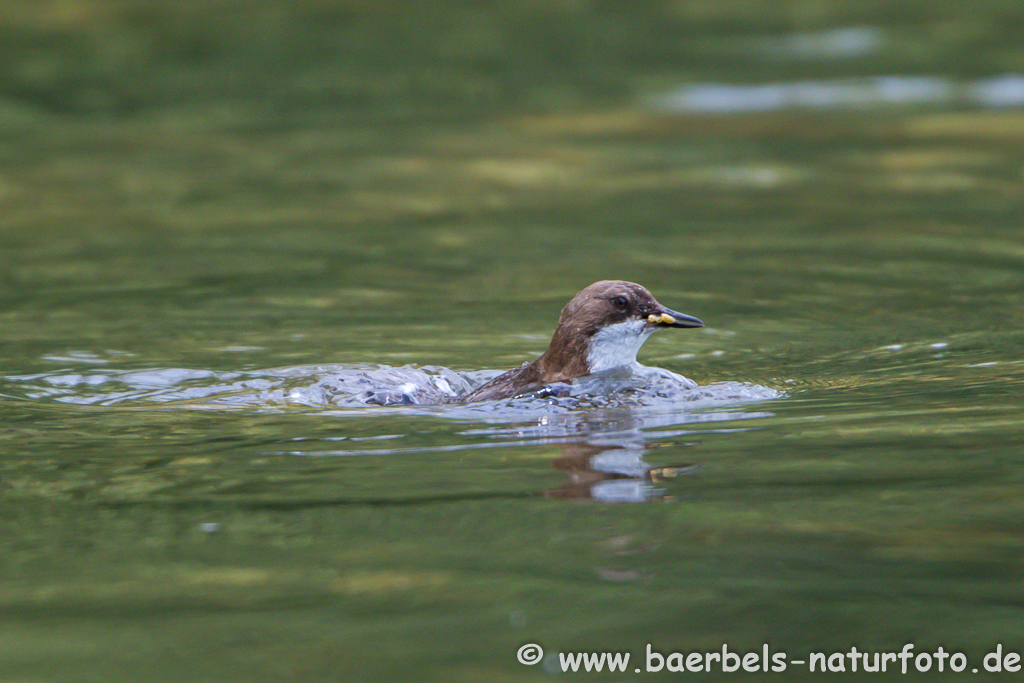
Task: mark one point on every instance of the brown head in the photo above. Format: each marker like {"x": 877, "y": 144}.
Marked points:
{"x": 603, "y": 327}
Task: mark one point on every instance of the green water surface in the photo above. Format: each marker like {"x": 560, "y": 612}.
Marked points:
{"x": 233, "y": 188}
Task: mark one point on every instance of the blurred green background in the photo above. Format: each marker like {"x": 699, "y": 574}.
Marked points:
{"x": 231, "y": 187}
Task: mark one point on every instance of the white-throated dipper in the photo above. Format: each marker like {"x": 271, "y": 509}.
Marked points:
{"x": 602, "y": 328}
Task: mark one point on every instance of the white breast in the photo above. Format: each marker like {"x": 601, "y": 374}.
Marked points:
{"x": 617, "y": 344}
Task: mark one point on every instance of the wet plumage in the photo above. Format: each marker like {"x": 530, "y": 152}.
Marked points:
{"x": 600, "y": 328}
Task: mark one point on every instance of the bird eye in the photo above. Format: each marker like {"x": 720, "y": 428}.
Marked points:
{"x": 620, "y": 302}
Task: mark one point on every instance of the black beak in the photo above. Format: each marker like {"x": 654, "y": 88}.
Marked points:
{"x": 666, "y": 317}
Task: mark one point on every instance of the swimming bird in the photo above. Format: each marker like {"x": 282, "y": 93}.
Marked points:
{"x": 603, "y": 327}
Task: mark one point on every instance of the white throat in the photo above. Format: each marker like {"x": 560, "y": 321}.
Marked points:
{"x": 617, "y": 345}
